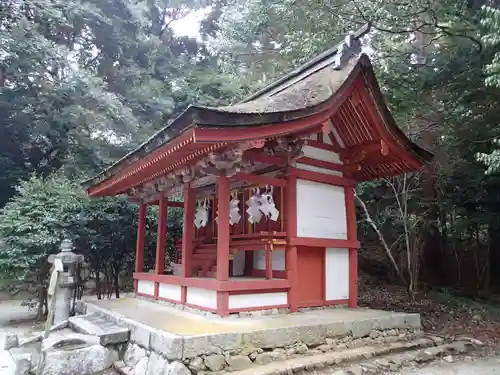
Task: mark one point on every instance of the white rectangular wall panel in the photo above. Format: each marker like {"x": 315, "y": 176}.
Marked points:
{"x": 146, "y": 287}
{"x": 312, "y": 168}
{"x": 257, "y": 300}
{"x": 320, "y": 154}
{"x": 169, "y": 291}
{"x": 202, "y": 297}
{"x": 259, "y": 260}
{"x": 337, "y": 274}
{"x": 321, "y": 211}
{"x": 239, "y": 263}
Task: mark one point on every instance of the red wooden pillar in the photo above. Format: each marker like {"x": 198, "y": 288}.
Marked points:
{"x": 139, "y": 248}
{"x": 188, "y": 230}
{"x": 291, "y": 260}
{"x": 223, "y": 243}
{"x": 248, "y": 263}
{"x": 353, "y": 252}
{"x": 161, "y": 239}
{"x": 223, "y": 230}
{"x": 187, "y": 236}
{"x": 269, "y": 261}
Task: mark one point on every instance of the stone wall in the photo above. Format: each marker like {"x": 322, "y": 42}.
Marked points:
{"x": 141, "y": 361}
{"x": 150, "y": 349}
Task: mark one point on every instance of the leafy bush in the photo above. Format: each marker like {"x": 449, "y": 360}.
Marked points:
{"x": 46, "y": 210}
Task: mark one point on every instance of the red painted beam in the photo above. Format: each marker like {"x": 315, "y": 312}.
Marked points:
{"x": 321, "y": 164}
{"x": 324, "y": 242}
{"x": 254, "y": 285}
{"x": 322, "y": 146}
{"x": 259, "y": 179}
{"x": 260, "y": 157}
{"x": 379, "y": 147}
{"x": 322, "y": 178}
{"x": 139, "y": 168}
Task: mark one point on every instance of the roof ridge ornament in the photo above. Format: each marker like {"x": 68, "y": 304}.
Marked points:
{"x": 350, "y": 47}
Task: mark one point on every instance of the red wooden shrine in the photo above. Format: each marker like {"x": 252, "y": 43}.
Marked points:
{"x": 306, "y": 141}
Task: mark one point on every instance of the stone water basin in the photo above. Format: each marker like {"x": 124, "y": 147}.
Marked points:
{"x": 68, "y": 353}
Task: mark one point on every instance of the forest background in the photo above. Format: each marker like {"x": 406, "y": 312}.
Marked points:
{"x": 83, "y": 82}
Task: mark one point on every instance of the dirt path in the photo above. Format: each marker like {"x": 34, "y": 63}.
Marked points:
{"x": 13, "y": 318}
{"x": 481, "y": 366}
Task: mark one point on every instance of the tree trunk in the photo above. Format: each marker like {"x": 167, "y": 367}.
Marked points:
{"x": 98, "y": 284}
{"x": 117, "y": 284}
{"x": 382, "y": 241}
{"x": 42, "y": 303}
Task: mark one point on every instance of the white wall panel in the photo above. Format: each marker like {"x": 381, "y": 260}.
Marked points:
{"x": 146, "y": 287}
{"x": 239, "y": 263}
{"x": 321, "y": 211}
{"x": 170, "y": 291}
{"x": 312, "y": 168}
{"x": 257, "y": 300}
{"x": 202, "y": 297}
{"x": 259, "y": 260}
{"x": 320, "y": 154}
{"x": 337, "y": 274}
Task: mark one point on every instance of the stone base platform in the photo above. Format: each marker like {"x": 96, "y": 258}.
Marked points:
{"x": 162, "y": 335}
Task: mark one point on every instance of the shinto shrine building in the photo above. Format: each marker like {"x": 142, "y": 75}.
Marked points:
{"x": 268, "y": 185}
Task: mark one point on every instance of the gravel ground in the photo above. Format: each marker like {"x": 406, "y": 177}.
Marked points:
{"x": 481, "y": 366}
{"x": 17, "y": 319}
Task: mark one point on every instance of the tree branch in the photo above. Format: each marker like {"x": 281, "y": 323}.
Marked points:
{"x": 380, "y": 237}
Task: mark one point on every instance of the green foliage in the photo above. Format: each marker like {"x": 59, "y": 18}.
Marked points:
{"x": 432, "y": 61}
{"x": 491, "y": 38}
{"x": 84, "y": 82}
{"x": 32, "y": 226}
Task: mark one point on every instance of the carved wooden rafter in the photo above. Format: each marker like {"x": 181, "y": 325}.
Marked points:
{"x": 289, "y": 148}
{"x": 358, "y": 154}
{"x": 225, "y": 162}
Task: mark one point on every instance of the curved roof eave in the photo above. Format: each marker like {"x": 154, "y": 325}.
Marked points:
{"x": 418, "y": 152}
{"x": 243, "y": 115}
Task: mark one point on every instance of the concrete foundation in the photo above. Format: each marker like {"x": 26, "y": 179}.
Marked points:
{"x": 183, "y": 336}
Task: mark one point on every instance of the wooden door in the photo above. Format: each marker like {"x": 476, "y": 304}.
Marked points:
{"x": 311, "y": 276}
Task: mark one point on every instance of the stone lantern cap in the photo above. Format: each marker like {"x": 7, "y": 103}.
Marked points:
{"x": 66, "y": 255}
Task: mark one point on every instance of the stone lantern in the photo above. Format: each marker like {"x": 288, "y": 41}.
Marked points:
{"x": 64, "y": 290}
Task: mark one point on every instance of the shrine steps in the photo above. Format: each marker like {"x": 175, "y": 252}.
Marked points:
{"x": 108, "y": 332}
{"x": 392, "y": 357}
{"x": 204, "y": 260}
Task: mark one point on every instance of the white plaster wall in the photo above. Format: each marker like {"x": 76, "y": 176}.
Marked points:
{"x": 336, "y": 274}
{"x": 239, "y": 263}
{"x": 202, "y": 297}
{"x": 257, "y": 300}
{"x": 320, "y": 154}
{"x": 337, "y": 137}
{"x": 170, "y": 291}
{"x": 313, "y": 168}
{"x": 321, "y": 211}
{"x": 146, "y": 287}
{"x": 259, "y": 260}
